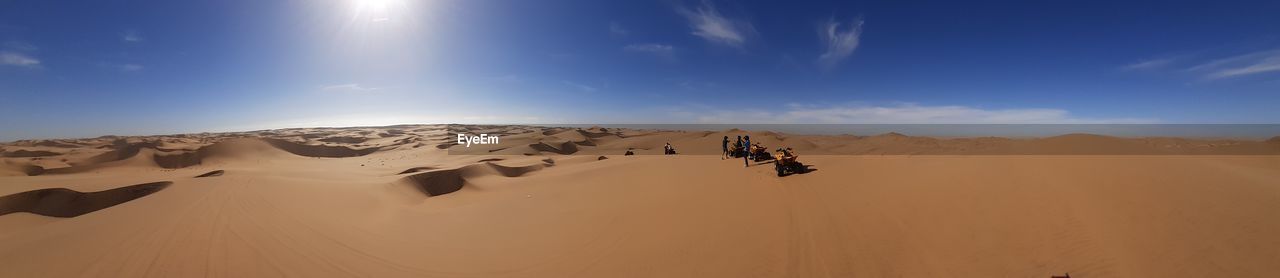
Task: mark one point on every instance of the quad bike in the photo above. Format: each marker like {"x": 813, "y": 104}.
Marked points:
{"x": 786, "y": 163}
{"x": 760, "y": 153}
{"x": 736, "y": 151}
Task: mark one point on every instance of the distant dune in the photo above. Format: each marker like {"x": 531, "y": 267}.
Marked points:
{"x": 408, "y": 201}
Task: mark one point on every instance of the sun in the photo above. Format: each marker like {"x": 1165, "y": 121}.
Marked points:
{"x": 377, "y": 10}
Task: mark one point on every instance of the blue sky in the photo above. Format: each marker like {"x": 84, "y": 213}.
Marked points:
{"x": 89, "y": 68}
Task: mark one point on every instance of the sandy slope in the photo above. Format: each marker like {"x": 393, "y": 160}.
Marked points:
{"x": 362, "y": 207}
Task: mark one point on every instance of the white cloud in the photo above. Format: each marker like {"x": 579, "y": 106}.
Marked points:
{"x": 617, "y": 30}
{"x": 18, "y": 59}
{"x": 349, "y": 88}
{"x": 840, "y": 43}
{"x": 1240, "y": 65}
{"x": 582, "y": 87}
{"x": 1148, "y": 64}
{"x": 661, "y": 50}
{"x": 131, "y": 36}
{"x": 709, "y": 24}
{"x": 902, "y": 114}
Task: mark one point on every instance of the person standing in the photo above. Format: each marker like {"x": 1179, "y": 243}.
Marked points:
{"x": 736, "y": 145}
{"x": 746, "y": 159}
{"x": 724, "y": 146}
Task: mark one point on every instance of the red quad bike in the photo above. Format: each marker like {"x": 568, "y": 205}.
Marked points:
{"x": 786, "y": 163}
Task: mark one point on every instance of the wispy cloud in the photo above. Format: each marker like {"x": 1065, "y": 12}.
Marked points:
{"x": 840, "y": 42}
{"x": 121, "y": 67}
{"x": 1149, "y": 64}
{"x": 902, "y": 114}
{"x": 1240, "y": 65}
{"x": 664, "y": 51}
{"x": 18, "y": 59}
{"x": 130, "y": 67}
{"x": 616, "y": 29}
{"x": 349, "y": 88}
{"x": 582, "y": 87}
{"x": 131, "y": 36}
{"x": 19, "y": 46}
{"x": 709, "y": 24}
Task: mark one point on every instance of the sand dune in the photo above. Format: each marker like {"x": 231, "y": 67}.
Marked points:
{"x": 566, "y": 202}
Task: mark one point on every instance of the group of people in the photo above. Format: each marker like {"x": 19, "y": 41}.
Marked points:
{"x": 743, "y": 143}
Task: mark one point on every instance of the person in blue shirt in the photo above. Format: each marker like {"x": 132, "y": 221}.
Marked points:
{"x": 746, "y": 143}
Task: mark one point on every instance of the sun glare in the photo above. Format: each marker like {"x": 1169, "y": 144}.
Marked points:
{"x": 376, "y": 10}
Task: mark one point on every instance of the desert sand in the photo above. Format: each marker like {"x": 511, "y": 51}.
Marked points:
{"x": 406, "y": 201}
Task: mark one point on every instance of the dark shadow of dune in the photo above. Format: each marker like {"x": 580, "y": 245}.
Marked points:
{"x": 551, "y": 131}
{"x": 436, "y": 183}
{"x": 30, "y": 170}
{"x": 565, "y": 148}
{"x": 26, "y": 153}
{"x": 589, "y": 134}
{"x": 441, "y": 182}
{"x": 62, "y": 202}
{"x": 509, "y": 171}
{"x": 181, "y": 160}
{"x": 55, "y": 144}
{"x": 192, "y": 158}
{"x": 416, "y": 169}
{"x": 316, "y": 150}
{"x": 120, "y": 150}
{"x": 344, "y": 139}
{"x": 213, "y": 173}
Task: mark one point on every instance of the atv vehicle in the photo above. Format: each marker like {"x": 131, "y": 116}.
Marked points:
{"x": 736, "y": 151}
{"x": 786, "y": 163}
{"x": 760, "y": 153}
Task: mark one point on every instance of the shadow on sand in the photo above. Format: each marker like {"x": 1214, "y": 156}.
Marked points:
{"x": 62, "y": 202}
